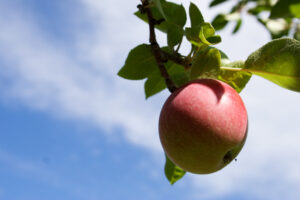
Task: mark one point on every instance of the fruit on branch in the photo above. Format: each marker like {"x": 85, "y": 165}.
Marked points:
{"x": 203, "y": 126}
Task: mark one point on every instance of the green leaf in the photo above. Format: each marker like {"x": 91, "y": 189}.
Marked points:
{"x": 258, "y": 9}
{"x": 202, "y": 36}
{"x": 156, "y": 14}
{"x": 175, "y": 13}
{"x": 277, "y": 61}
{"x": 139, "y": 64}
{"x": 206, "y": 64}
{"x": 192, "y": 34}
{"x": 207, "y": 31}
{"x": 195, "y": 15}
{"x": 223, "y": 55}
{"x": 295, "y": 10}
{"x": 174, "y": 35}
{"x": 156, "y": 83}
{"x": 219, "y": 22}
{"x": 282, "y": 9}
{"x": 178, "y": 74}
{"x": 237, "y": 26}
{"x": 214, "y": 39}
{"x": 216, "y": 2}
{"x": 158, "y": 5}
{"x": 236, "y": 79}
{"x": 173, "y": 172}
{"x": 175, "y": 19}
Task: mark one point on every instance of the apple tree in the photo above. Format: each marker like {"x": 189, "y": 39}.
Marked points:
{"x": 191, "y": 123}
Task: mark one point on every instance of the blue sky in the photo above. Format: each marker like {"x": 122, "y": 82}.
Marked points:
{"x": 71, "y": 129}
{"x": 42, "y": 158}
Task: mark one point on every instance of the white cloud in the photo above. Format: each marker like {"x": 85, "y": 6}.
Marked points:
{"x": 43, "y": 75}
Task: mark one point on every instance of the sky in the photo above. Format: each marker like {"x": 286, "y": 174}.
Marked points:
{"x": 70, "y": 128}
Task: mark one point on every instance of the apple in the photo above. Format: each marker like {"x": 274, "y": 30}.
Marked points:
{"x": 203, "y": 126}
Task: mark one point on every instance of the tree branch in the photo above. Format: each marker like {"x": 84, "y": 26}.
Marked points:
{"x": 177, "y": 58}
{"x": 159, "y": 55}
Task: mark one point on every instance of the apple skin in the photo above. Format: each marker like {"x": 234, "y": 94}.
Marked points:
{"x": 203, "y": 126}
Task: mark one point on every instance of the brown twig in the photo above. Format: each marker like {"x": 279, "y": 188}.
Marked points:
{"x": 159, "y": 55}
{"x": 177, "y": 58}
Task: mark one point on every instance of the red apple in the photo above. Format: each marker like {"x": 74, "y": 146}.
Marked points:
{"x": 203, "y": 126}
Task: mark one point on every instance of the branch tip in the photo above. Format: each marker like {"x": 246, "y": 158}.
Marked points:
{"x": 158, "y": 53}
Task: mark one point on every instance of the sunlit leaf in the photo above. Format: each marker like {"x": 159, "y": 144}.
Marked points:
{"x": 207, "y": 30}
{"x": 236, "y": 79}
{"x": 277, "y": 61}
{"x": 295, "y": 10}
{"x": 207, "y": 34}
{"x": 173, "y": 172}
{"x": 206, "y": 64}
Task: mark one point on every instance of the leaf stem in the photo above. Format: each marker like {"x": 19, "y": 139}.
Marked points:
{"x": 255, "y": 71}
{"x": 234, "y": 69}
{"x": 178, "y": 47}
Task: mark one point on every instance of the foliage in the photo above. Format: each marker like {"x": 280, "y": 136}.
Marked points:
{"x": 280, "y": 14}
{"x": 277, "y": 61}
{"x": 173, "y": 172}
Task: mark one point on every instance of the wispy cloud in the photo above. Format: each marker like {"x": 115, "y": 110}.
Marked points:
{"x": 44, "y": 76}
